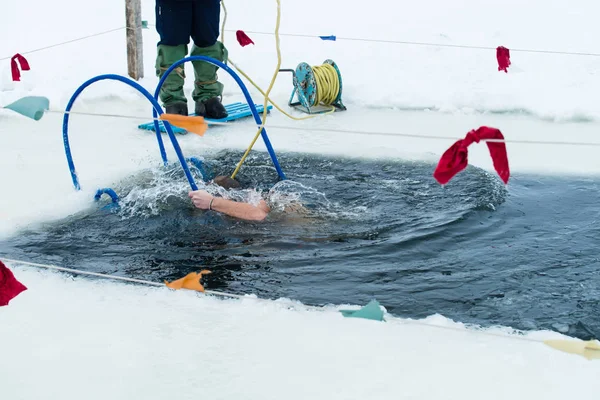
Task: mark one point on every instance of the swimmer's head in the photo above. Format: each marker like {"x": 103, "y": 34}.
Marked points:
{"x": 226, "y": 182}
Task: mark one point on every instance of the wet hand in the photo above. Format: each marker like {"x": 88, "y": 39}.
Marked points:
{"x": 201, "y": 199}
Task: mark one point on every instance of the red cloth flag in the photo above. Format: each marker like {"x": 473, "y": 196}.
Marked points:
{"x": 503, "y": 57}
{"x": 243, "y": 39}
{"x": 455, "y": 159}
{"x": 16, "y": 74}
{"x": 10, "y": 287}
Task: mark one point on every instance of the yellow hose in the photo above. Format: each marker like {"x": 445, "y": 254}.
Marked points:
{"x": 328, "y": 85}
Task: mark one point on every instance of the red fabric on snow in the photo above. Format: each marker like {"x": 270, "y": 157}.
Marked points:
{"x": 10, "y": 287}
{"x": 503, "y": 57}
{"x": 243, "y": 39}
{"x": 455, "y": 159}
{"x": 16, "y": 74}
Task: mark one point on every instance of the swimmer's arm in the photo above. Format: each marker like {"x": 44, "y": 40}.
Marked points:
{"x": 202, "y": 200}
{"x": 241, "y": 210}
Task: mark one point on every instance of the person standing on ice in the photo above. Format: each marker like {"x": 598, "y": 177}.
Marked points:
{"x": 176, "y": 22}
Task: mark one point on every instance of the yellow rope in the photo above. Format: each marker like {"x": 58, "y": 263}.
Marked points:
{"x": 327, "y": 85}
{"x": 224, "y": 21}
{"x": 271, "y": 100}
{"x": 265, "y": 110}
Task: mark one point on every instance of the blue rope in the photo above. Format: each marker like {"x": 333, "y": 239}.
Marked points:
{"x": 156, "y": 106}
{"x": 108, "y": 191}
{"x": 155, "y": 112}
{"x": 244, "y": 90}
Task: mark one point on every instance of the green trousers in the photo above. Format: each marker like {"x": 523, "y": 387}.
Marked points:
{"x": 206, "y": 84}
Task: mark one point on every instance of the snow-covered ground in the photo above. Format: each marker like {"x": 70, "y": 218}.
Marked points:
{"x": 87, "y": 339}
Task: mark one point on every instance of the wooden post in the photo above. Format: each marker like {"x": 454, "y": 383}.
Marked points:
{"x": 135, "y": 53}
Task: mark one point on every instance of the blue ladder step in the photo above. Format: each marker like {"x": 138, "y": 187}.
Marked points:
{"x": 235, "y": 111}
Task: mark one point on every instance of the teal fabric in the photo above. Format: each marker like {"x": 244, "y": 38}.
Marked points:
{"x": 32, "y": 106}
{"x": 370, "y": 311}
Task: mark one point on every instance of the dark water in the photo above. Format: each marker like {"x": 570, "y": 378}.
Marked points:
{"x": 472, "y": 251}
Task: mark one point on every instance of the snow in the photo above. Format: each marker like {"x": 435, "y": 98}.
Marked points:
{"x": 121, "y": 341}
{"x": 96, "y": 339}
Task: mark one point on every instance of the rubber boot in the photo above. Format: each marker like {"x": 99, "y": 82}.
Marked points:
{"x": 171, "y": 94}
{"x": 207, "y": 89}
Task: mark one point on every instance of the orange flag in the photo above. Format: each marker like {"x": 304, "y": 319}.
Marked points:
{"x": 191, "y": 281}
{"x": 192, "y": 124}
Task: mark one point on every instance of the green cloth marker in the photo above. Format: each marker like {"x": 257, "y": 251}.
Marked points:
{"x": 31, "y": 106}
{"x": 370, "y": 311}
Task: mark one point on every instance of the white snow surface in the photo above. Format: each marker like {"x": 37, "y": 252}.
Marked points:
{"x": 74, "y": 338}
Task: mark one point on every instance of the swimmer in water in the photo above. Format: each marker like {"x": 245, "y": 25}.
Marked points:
{"x": 237, "y": 209}
{"x": 206, "y": 201}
